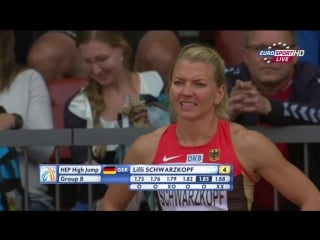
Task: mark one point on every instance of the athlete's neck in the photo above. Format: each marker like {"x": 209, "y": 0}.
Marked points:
{"x": 195, "y": 134}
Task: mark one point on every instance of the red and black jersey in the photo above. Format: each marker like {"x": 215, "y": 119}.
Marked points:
{"x": 218, "y": 150}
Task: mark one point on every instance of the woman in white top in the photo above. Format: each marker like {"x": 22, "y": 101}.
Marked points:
{"x": 23, "y": 92}
{"x": 106, "y": 59}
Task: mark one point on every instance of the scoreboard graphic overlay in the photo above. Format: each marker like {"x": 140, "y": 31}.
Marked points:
{"x": 143, "y": 177}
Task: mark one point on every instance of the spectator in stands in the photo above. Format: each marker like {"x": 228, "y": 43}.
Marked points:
{"x": 102, "y": 104}
{"x": 53, "y": 53}
{"x": 309, "y": 41}
{"x": 154, "y": 50}
{"x": 276, "y": 94}
{"x": 197, "y": 92}
{"x": 23, "y": 91}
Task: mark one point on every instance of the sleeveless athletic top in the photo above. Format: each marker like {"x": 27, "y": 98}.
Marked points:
{"x": 239, "y": 199}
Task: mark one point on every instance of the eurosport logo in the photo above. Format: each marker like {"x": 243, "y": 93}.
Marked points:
{"x": 280, "y": 53}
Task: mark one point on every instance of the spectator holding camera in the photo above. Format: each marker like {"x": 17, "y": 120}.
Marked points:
{"x": 114, "y": 97}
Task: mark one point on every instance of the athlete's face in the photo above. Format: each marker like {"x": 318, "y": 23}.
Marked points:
{"x": 193, "y": 91}
{"x": 101, "y": 61}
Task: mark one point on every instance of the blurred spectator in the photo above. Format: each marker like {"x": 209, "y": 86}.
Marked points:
{"x": 228, "y": 43}
{"x": 53, "y": 53}
{"x": 276, "y": 94}
{"x": 24, "y": 92}
{"x": 112, "y": 99}
{"x": 154, "y": 50}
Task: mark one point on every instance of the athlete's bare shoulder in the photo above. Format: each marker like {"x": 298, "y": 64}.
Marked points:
{"x": 149, "y": 140}
{"x": 250, "y": 146}
{"x": 144, "y": 147}
{"x": 244, "y": 135}
{"x": 241, "y": 137}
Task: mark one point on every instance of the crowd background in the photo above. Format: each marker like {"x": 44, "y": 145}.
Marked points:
{"x": 229, "y": 44}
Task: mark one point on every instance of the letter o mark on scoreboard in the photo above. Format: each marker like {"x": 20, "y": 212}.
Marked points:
{"x": 187, "y": 186}
{"x": 155, "y": 186}
{"x": 204, "y": 186}
{"x": 139, "y": 186}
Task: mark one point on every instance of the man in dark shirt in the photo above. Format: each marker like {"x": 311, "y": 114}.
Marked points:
{"x": 265, "y": 92}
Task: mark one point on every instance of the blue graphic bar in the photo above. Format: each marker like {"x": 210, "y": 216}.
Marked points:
{"x": 142, "y": 177}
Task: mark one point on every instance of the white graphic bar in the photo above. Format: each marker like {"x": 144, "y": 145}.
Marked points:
{"x": 155, "y": 187}
{"x": 79, "y": 179}
{"x": 79, "y": 169}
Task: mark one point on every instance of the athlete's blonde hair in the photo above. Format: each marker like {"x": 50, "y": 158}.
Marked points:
{"x": 197, "y": 52}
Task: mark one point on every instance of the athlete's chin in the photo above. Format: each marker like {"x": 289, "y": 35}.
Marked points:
{"x": 188, "y": 116}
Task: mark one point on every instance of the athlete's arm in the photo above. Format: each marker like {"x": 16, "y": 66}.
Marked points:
{"x": 260, "y": 156}
{"x": 142, "y": 151}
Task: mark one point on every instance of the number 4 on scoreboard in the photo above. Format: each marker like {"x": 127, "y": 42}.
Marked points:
{"x": 224, "y": 169}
